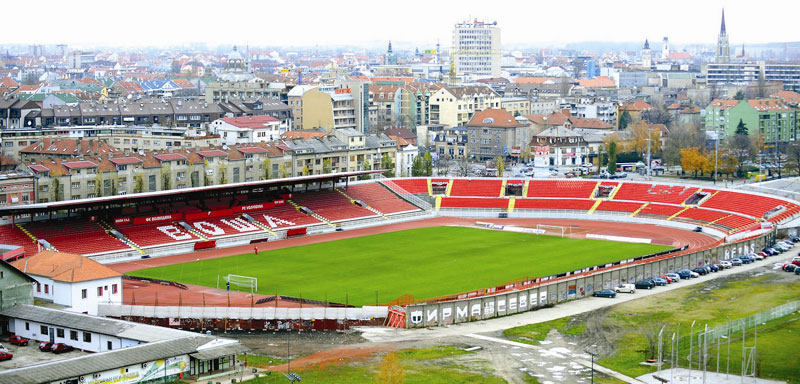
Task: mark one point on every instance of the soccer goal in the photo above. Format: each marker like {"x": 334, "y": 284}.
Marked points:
{"x": 553, "y": 230}
{"x": 238, "y": 281}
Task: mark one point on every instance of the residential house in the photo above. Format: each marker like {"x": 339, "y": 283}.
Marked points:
{"x": 74, "y": 281}
{"x": 772, "y": 118}
{"x": 456, "y": 105}
{"x": 247, "y": 130}
{"x": 566, "y": 147}
{"x": 492, "y": 133}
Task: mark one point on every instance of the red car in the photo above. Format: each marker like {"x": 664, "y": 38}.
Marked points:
{"x": 61, "y": 348}
{"x": 667, "y": 278}
{"x": 17, "y": 340}
{"x": 45, "y": 346}
{"x": 5, "y": 356}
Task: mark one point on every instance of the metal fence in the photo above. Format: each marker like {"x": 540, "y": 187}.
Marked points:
{"x": 750, "y": 322}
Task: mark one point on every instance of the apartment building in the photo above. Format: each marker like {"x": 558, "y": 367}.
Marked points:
{"x": 773, "y": 118}
{"x": 476, "y": 49}
{"x": 455, "y": 106}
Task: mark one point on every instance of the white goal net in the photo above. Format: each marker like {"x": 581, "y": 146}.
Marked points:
{"x": 238, "y": 282}
{"x": 553, "y": 230}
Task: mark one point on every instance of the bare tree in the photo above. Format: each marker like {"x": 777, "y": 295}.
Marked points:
{"x": 682, "y": 136}
{"x": 463, "y": 166}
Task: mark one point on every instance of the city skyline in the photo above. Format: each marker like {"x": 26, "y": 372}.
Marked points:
{"x": 417, "y": 23}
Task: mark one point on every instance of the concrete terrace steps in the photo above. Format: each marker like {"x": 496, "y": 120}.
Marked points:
{"x": 125, "y": 240}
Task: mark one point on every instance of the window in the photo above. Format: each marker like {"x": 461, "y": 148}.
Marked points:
{"x": 87, "y": 337}
{"x": 73, "y": 335}
{"x": 43, "y": 329}
{"x": 113, "y": 288}
{"x": 83, "y": 294}
{"x": 109, "y": 345}
{"x": 60, "y": 332}
{"x": 38, "y": 287}
{"x": 27, "y": 326}
{"x": 46, "y": 289}
{"x": 99, "y": 291}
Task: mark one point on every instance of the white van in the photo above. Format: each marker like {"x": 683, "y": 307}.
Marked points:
{"x": 628, "y": 288}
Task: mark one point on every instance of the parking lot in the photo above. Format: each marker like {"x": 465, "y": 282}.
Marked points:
{"x": 30, "y": 355}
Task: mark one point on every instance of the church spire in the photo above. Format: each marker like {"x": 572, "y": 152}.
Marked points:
{"x": 646, "y": 44}
{"x": 722, "y": 28}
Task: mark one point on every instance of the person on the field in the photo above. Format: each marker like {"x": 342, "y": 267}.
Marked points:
{"x": 255, "y": 249}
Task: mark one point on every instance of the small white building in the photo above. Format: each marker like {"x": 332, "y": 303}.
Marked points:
{"x": 72, "y": 280}
{"x": 247, "y": 129}
{"x": 123, "y": 352}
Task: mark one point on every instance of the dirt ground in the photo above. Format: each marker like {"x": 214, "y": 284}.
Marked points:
{"x": 553, "y": 361}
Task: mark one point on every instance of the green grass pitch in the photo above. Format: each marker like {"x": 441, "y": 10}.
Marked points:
{"x": 423, "y": 262}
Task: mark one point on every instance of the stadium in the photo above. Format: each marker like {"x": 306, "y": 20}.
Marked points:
{"x": 329, "y": 251}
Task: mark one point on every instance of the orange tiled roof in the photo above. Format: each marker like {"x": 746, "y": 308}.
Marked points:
{"x": 65, "y": 267}
{"x": 490, "y": 117}
{"x": 555, "y": 118}
{"x": 787, "y": 96}
{"x": 598, "y": 82}
{"x": 590, "y": 123}
{"x": 289, "y": 135}
{"x": 635, "y": 106}
{"x": 769, "y": 105}
{"x": 723, "y": 103}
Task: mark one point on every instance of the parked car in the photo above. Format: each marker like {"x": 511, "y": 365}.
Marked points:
{"x": 684, "y": 273}
{"x": 795, "y": 262}
{"x": 628, "y": 288}
{"x": 712, "y": 268}
{"x": 45, "y": 346}
{"x": 747, "y": 259}
{"x": 700, "y": 270}
{"x": 660, "y": 282}
{"x": 6, "y": 356}
{"x": 797, "y": 271}
{"x": 756, "y": 256}
{"x": 788, "y": 267}
{"x": 645, "y": 284}
{"x": 694, "y": 274}
{"x": 726, "y": 264}
{"x": 604, "y": 293}
{"x": 674, "y": 276}
{"x": 17, "y": 340}
{"x": 61, "y": 348}
{"x": 668, "y": 279}
{"x": 736, "y": 261}
{"x": 770, "y": 251}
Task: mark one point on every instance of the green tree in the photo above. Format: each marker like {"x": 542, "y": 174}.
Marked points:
{"x": 139, "y": 187}
{"x": 327, "y": 167}
{"x": 98, "y": 185}
{"x": 265, "y": 167}
{"x": 500, "y": 165}
{"x": 739, "y": 95}
{"x": 416, "y": 166}
{"x": 166, "y": 177}
{"x": 624, "y": 121}
{"x": 284, "y": 173}
{"x": 306, "y": 171}
{"x": 114, "y": 184}
{"x": 388, "y": 164}
{"x": 741, "y": 128}
{"x": 428, "y": 164}
{"x": 741, "y": 147}
{"x": 612, "y": 157}
{"x": 55, "y": 186}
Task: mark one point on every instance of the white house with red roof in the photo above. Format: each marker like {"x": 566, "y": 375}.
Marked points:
{"x": 247, "y": 129}
{"x": 74, "y": 281}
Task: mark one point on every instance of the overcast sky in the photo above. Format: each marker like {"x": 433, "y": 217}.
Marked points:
{"x": 421, "y": 23}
